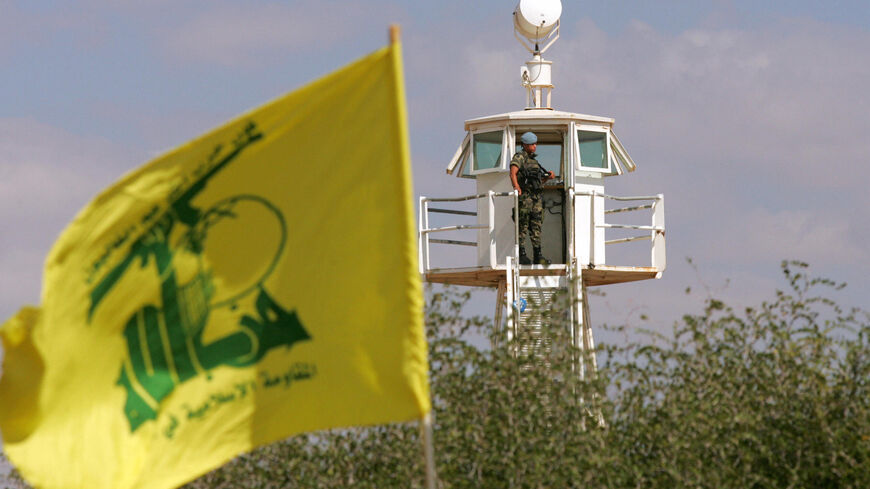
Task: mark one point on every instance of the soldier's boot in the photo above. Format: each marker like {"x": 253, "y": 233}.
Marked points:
{"x": 524, "y": 259}
{"x": 539, "y": 258}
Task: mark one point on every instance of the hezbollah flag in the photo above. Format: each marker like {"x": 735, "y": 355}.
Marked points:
{"x": 257, "y": 282}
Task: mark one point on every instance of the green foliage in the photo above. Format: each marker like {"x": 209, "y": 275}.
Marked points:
{"x": 773, "y": 396}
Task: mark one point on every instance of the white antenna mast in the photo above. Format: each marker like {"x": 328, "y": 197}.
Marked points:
{"x": 538, "y": 22}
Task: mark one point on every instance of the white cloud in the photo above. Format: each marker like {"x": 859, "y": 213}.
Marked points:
{"x": 235, "y": 35}
{"x": 24, "y": 28}
{"x": 782, "y": 100}
{"x": 16, "y": 28}
{"x": 46, "y": 175}
{"x": 764, "y": 236}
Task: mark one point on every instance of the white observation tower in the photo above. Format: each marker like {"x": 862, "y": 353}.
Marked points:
{"x": 582, "y": 226}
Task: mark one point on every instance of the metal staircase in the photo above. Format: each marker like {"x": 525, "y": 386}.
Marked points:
{"x": 540, "y": 301}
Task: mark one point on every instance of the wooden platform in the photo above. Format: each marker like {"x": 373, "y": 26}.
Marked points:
{"x": 490, "y": 277}
{"x": 605, "y": 275}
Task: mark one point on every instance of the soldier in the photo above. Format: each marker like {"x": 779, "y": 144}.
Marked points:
{"x": 528, "y": 177}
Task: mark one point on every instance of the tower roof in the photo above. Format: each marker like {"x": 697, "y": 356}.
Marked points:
{"x": 540, "y": 115}
{"x": 612, "y": 155}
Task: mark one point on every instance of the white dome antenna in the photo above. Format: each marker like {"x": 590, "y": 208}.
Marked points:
{"x": 537, "y": 21}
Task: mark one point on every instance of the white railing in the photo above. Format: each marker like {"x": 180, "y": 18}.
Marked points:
{"x": 425, "y": 231}
{"x": 655, "y": 231}
{"x": 656, "y": 234}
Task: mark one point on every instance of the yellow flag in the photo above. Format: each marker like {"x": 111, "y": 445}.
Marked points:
{"x": 257, "y": 282}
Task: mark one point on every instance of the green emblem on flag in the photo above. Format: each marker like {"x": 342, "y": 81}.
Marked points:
{"x": 165, "y": 342}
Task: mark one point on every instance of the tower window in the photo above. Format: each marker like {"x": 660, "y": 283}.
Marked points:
{"x": 593, "y": 149}
{"x": 549, "y": 156}
{"x": 487, "y": 150}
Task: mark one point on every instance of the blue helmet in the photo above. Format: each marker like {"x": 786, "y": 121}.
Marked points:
{"x": 529, "y": 138}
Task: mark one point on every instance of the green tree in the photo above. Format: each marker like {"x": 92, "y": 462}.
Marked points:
{"x": 775, "y": 396}
{"x": 772, "y": 396}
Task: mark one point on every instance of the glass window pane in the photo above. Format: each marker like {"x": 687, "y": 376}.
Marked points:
{"x": 487, "y": 150}
{"x": 593, "y": 151}
{"x": 466, "y": 168}
{"x": 549, "y": 156}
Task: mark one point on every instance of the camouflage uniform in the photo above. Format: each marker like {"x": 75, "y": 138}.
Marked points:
{"x": 531, "y": 201}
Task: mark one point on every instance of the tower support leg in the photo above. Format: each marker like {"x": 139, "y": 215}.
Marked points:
{"x": 511, "y": 298}
{"x": 586, "y": 363}
{"x": 500, "y": 319}
{"x": 580, "y": 329}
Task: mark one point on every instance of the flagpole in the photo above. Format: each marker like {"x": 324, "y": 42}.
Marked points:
{"x": 428, "y": 450}
{"x": 395, "y": 30}
{"x": 425, "y": 421}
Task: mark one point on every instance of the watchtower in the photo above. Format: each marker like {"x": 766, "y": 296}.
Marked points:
{"x": 578, "y": 230}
